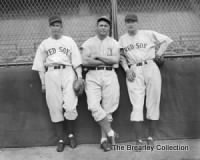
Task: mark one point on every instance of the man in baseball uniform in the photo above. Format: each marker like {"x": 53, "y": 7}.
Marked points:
{"x": 101, "y": 57}
{"x": 138, "y": 49}
{"x": 55, "y": 59}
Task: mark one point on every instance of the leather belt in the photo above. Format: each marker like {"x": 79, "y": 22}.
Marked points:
{"x": 101, "y": 68}
{"x": 62, "y": 66}
{"x": 140, "y": 64}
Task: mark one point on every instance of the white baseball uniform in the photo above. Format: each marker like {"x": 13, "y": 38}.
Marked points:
{"x": 102, "y": 86}
{"x": 59, "y": 82}
{"x": 139, "y": 52}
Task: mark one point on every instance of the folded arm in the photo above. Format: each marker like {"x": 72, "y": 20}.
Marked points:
{"x": 90, "y": 61}
{"x": 110, "y": 60}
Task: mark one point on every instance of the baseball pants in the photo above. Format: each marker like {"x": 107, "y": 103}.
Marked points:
{"x": 147, "y": 82}
{"x": 102, "y": 90}
{"x": 60, "y": 94}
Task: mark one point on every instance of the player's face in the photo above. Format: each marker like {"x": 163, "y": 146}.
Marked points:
{"x": 131, "y": 26}
{"x": 56, "y": 29}
{"x": 103, "y": 28}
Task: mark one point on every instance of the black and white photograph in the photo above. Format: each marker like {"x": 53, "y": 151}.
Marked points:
{"x": 99, "y": 79}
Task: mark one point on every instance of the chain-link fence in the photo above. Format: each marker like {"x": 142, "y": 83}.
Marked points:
{"x": 24, "y": 23}
{"x": 179, "y": 19}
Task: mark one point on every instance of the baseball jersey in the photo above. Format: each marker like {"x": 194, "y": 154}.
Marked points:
{"x": 141, "y": 46}
{"x": 57, "y": 51}
{"x": 106, "y": 47}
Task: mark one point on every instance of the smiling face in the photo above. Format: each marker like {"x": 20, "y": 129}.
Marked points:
{"x": 103, "y": 28}
{"x": 56, "y": 30}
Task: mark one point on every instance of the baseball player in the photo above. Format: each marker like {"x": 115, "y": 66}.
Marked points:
{"x": 54, "y": 60}
{"x": 101, "y": 57}
{"x": 142, "y": 74}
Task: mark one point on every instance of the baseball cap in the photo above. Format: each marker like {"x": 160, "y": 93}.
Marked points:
{"x": 131, "y": 17}
{"x": 104, "y": 18}
{"x": 54, "y": 19}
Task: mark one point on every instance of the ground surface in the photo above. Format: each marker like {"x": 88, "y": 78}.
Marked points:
{"x": 92, "y": 152}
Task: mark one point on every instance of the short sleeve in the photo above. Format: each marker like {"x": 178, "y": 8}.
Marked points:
{"x": 86, "y": 48}
{"x": 76, "y": 56}
{"x": 120, "y": 43}
{"x": 158, "y": 37}
{"x": 116, "y": 46}
{"x": 40, "y": 58}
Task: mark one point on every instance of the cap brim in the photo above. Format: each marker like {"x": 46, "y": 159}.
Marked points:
{"x": 54, "y": 21}
{"x": 133, "y": 20}
{"x": 104, "y": 19}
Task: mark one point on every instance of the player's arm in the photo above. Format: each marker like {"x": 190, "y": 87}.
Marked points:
{"x": 162, "y": 48}
{"x": 123, "y": 61}
{"x": 113, "y": 57}
{"x": 38, "y": 64}
{"x": 42, "y": 79}
{"x": 89, "y": 61}
{"x": 76, "y": 60}
{"x": 109, "y": 60}
{"x": 79, "y": 72}
{"x": 163, "y": 41}
{"x": 130, "y": 74}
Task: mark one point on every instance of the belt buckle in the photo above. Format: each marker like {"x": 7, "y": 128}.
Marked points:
{"x": 59, "y": 67}
{"x": 101, "y": 68}
{"x": 107, "y": 68}
{"x": 63, "y": 66}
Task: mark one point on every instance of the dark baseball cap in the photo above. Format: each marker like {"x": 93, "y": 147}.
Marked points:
{"x": 104, "y": 18}
{"x": 131, "y": 17}
{"x": 54, "y": 19}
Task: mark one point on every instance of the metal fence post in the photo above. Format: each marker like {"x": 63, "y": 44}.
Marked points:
{"x": 114, "y": 19}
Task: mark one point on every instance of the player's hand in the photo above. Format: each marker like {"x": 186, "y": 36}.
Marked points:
{"x": 130, "y": 74}
{"x": 43, "y": 88}
{"x": 159, "y": 60}
{"x": 94, "y": 56}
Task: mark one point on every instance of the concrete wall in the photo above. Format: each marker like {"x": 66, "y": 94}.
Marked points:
{"x": 24, "y": 117}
